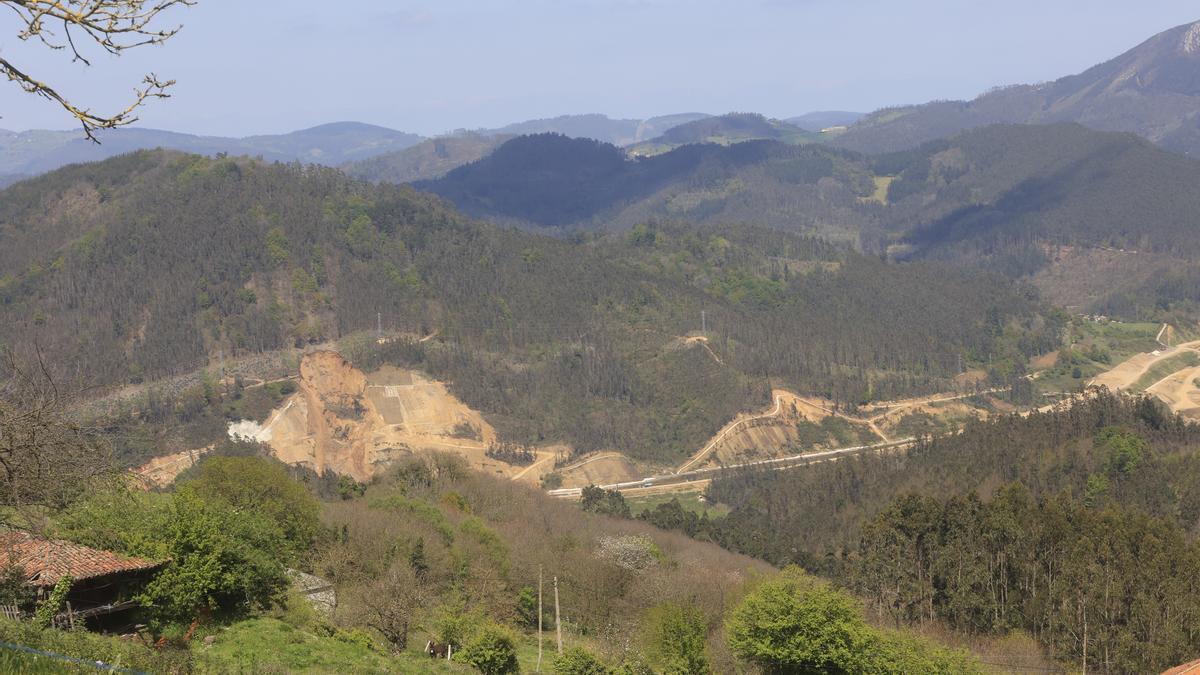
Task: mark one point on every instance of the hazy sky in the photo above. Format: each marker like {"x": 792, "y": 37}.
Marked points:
{"x": 428, "y": 66}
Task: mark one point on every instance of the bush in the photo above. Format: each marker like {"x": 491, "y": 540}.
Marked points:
{"x": 579, "y": 661}
{"x": 492, "y": 650}
{"x": 796, "y": 623}
{"x": 677, "y": 640}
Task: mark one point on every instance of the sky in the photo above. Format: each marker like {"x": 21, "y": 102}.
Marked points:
{"x": 430, "y": 66}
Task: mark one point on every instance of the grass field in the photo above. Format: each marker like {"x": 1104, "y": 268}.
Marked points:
{"x": 690, "y": 501}
{"x": 882, "y": 184}
{"x": 269, "y": 645}
{"x": 21, "y": 663}
{"x": 1095, "y": 348}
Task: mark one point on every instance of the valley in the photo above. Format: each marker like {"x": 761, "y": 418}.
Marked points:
{"x": 915, "y": 390}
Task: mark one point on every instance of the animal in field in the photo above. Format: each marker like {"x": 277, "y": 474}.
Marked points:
{"x": 437, "y": 650}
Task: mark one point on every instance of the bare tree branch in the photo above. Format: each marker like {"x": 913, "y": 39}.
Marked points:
{"x": 113, "y": 25}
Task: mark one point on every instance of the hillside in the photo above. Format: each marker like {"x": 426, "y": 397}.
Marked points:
{"x": 186, "y": 258}
{"x": 1100, "y": 221}
{"x": 1100, "y": 490}
{"x": 1152, "y": 90}
{"x": 816, "y": 121}
{"x": 35, "y": 152}
{"x": 429, "y": 159}
{"x": 555, "y": 182}
{"x": 723, "y": 130}
{"x": 1093, "y": 217}
{"x": 596, "y": 127}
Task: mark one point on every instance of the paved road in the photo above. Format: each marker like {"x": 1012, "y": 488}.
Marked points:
{"x": 686, "y": 477}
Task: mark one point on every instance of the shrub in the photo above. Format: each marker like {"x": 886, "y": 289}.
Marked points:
{"x": 52, "y": 605}
{"x": 677, "y": 639}
{"x": 579, "y": 661}
{"x": 492, "y": 650}
{"x": 796, "y": 623}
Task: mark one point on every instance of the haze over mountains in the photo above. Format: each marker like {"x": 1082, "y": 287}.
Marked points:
{"x": 1152, "y": 90}
{"x": 29, "y": 153}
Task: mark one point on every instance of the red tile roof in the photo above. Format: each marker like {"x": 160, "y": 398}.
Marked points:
{"x": 45, "y": 561}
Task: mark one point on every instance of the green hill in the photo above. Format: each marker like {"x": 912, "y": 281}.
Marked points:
{"x": 429, "y": 159}
{"x": 1011, "y": 198}
{"x": 723, "y": 130}
{"x": 151, "y": 264}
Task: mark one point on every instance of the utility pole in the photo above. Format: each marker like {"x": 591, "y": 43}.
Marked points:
{"x": 539, "y": 663}
{"x": 378, "y": 324}
{"x": 1085, "y": 642}
{"x": 703, "y": 323}
{"x": 557, "y": 620}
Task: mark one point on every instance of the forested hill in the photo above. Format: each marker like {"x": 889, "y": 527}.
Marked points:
{"x": 429, "y": 159}
{"x": 1009, "y": 185}
{"x": 725, "y": 129}
{"x": 1152, "y": 90}
{"x": 1042, "y": 524}
{"x": 553, "y": 181}
{"x": 1004, "y": 197}
{"x": 149, "y": 264}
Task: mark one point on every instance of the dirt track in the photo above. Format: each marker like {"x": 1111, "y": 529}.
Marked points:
{"x": 1124, "y": 375}
{"x": 1180, "y": 392}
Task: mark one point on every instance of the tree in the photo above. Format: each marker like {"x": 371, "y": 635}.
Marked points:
{"x": 795, "y": 623}
{"x": 606, "y": 502}
{"x": 390, "y": 603}
{"x": 492, "y": 650}
{"x": 115, "y": 26}
{"x": 676, "y": 636}
{"x": 219, "y": 558}
{"x": 47, "y": 459}
{"x": 263, "y": 487}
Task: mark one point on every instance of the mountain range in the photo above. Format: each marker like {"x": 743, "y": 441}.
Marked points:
{"x": 1005, "y": 197}
{"x": 1152, "y": 90}
{"x": 29, "y": 153}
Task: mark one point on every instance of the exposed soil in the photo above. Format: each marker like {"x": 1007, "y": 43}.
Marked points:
{"x": 1180, "y": 392}
{"x": 358, "y": 425}
{"x": 162, "y": 471}
{"x": 1124, "y": 375}
{"x": 604, "y": 468}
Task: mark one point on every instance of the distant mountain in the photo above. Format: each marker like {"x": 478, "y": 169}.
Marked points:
{"x": 1152, "y": 90}
{"x": 39, "y": 151}
{"x": 551, "y": 181}
{"x": 596, "y": 127}
{"x": 332, "y": 144}
{"x": 824, "y": 119}
{"x": 726, "y": 129}
{"x": 991, "y": 190}
{"x": 432, "y": 158}
{"x": 1093, "y": 218}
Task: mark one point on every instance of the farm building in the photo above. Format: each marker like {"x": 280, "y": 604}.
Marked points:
{"x": 104, "y": 583}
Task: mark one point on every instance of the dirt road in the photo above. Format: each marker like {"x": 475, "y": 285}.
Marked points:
{"x": 1125, "y": 374}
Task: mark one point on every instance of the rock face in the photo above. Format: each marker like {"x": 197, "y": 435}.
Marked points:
{"x": 319, "y": 592}
{"x": 357, "y": 425}
{"x": 1152, "y": 90}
